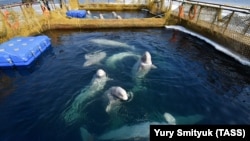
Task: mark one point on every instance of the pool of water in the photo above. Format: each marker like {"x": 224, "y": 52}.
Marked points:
{"x": 193, "y": 82}
{"x": 123, "y": 14}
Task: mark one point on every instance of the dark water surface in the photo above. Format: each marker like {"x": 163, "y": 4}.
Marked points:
{"x": 193, "y": 82}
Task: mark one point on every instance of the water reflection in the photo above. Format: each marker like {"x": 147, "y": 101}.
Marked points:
{"x": 6, "y": 85}
{"x": 222, "y": 73}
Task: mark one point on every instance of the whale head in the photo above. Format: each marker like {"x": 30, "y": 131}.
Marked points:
{"x": 100, "y": 73}
{"x": 119, "y": 92}
{"x": 115, "y": 95}
{"x": 146, "y": 58}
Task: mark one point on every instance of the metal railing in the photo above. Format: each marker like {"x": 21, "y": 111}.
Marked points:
{"x": 229, "y": 20}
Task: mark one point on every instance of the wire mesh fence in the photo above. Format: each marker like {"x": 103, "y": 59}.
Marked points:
{"x": 229, "y": 22}
{"x": 23, "y": 19}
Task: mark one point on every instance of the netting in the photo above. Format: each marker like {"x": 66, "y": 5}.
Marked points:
{"x": 20, "y": 20}
{"x": 24, "y": 19}
{"x": 228, "y": 25}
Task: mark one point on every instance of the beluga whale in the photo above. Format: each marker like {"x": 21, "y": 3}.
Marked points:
{"x": 140, "y": 70}
{"x": 94, "y": 58}
{"x": 116, "y": 95}
{"x": 141, "y": 130}
{"x": 111, "y": 43}
{"x": 73, "y": 112}
{"x": 137, "y": 131}
{"x": 112, "y": 60}
{"x": 143, "y": 65}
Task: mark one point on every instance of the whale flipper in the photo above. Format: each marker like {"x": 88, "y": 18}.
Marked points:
{"x": 153, "y": 66}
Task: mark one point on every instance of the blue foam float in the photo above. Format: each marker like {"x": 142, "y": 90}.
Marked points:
{"x": 76, "y": 13}
{"x": 21, "y": 51}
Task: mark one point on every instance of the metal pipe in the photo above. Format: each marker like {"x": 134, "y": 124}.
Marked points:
{"x": 214, "y": 5}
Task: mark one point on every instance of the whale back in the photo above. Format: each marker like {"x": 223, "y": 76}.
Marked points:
{"x": 94, "y": 58}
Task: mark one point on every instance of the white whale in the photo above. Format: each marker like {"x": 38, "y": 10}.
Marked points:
{"x": 115, "y": 95}
{"x": 141, "y": 130}
{"x": 94, "y": 58}
{"x": 126, "y": 132}
{"x": 112, "y": 60}
{"x": 112, "y": 43}
{"x": 98, "y": 82}
{"x": 143, "y": 65}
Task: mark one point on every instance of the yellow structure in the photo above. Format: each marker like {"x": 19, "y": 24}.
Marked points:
{"x": 25, "y": 20}
{"x": 231, "y": 30}
{"x": 74, "y": 4}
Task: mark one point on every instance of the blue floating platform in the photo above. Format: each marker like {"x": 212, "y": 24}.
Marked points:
{"x": 76, "y": 13}
{"x": 21, "y": 51}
